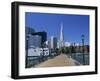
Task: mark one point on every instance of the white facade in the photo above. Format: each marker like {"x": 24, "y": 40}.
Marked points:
{"x": 44, "y": 51}
{"x": 47, "y": 44}
{"x": 53, "y": 42}
{"x": 38, "y": 51}
{"x": 58, "y": 44}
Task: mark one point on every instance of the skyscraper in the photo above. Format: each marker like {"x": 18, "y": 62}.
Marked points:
{"x": 33, "y": 38}
{"x": 28, "y": 37}
{"x": 61, "y": 36}
{"x": 43, "y": 35}
{"x": 53, "y": 42}
{"x": 35, "y": 41}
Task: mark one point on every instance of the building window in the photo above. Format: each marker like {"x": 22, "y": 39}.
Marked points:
{"x": 41, "y": 53}
{"x": 34, "y": 50}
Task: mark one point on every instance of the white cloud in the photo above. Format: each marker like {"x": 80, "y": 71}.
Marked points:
{"x": 67, "y": 44}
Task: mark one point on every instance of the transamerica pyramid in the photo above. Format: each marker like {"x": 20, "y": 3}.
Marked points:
{"x": 61, "y": 36}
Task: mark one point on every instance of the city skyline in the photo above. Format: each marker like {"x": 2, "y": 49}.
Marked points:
{"x": 51, "y": 23}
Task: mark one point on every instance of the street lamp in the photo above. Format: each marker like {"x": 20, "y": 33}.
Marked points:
{"x": 26, "y": 63}
{"x": 43, "y": 52}
{"x": 70, "y": 50}
{"x": 83, "y": 38}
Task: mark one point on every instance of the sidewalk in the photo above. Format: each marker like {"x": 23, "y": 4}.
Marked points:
{"x": 61, "y": 60}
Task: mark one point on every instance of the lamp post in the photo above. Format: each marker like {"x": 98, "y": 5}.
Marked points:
{"x": 26, "y": 63}
{"x": 70, "y": 51}
{"x": 43, "y": 52}
{"x": 82, "y": 37}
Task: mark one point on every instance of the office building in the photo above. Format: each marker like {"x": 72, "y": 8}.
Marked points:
{"x": 34, "y": 40}
{"x": 43, "y": 36}
{"x": 61, "y": 36}
{"x": 53, "y": 42}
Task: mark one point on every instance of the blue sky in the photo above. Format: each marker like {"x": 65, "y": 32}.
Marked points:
{"x": 73, "y": 25}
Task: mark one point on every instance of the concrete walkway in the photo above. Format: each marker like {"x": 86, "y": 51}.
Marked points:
{"x": 61, "y": 60}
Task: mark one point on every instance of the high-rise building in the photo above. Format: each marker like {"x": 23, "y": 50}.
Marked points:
{"x": 61, "y": 36}
{"x": 29, "y": 30}
{"x": 43, "y": 36}
{"x": 58, "y": 44}
{"x": 28, "y": 37}
{"x": 53, "y": 42}
{"x": 34, "y": 40}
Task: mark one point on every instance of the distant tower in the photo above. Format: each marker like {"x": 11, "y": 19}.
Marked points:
{"x": 61, "y": 36}
{"x": 53, "y": 42}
